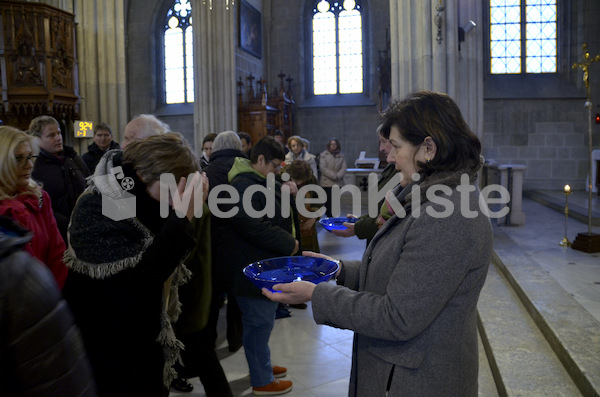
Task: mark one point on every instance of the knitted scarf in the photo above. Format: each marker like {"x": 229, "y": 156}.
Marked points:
{"x": 125, "y": 256}
{"x": 404, "y": 195}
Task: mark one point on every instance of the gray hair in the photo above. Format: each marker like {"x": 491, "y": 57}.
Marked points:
{"x": 150, "y": 125}
{"x": 227, "y": 140}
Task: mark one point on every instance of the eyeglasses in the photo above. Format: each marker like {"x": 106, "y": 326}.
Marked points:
{"x": 23, "y": 160}
{"x": 276, "y": 166}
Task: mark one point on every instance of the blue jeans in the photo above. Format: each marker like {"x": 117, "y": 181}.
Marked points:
{"x": 258, "y": 318}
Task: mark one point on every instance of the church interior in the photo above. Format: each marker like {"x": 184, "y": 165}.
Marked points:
{"x": 249, "y": 65}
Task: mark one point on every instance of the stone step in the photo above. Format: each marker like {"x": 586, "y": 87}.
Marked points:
{"x": 571, "y": 331}
{"x": 521, "y": 360}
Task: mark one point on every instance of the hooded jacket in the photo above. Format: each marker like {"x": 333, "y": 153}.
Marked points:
{"x": 94, "y": 154}
{"x": 64, "y": 180}
{"x": 35, "y": 214}
{"x": 255, "y": 238}
{"x": 41, "y": 353}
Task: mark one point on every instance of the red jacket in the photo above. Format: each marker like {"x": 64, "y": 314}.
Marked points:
{"x": 47, "y": 244}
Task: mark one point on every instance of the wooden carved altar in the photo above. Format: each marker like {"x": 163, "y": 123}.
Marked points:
{"x": 38, "y": 67}
{"x": 261, "y": 114}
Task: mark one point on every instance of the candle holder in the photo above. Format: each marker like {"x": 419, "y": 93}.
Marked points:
{"x": 565, "y": 241}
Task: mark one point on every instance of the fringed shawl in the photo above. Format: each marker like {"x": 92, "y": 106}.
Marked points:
{"x": 106, "y": 242}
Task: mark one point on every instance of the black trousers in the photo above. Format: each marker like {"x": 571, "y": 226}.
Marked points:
{"x": 200, "y": 359}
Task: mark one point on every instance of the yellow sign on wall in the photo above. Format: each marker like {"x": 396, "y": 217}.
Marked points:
{"x": 83, "y": 129}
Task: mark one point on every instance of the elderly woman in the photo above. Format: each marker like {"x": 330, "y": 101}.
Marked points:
{"x": 118, "y": 268}
{"x": 23, "y": 200}
{"x": 412, "y": 300}
{"x": 299, "y": 151}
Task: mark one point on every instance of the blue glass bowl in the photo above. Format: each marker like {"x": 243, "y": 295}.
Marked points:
{"x": 336, "y": 223}
{"x": 286, "y": 269}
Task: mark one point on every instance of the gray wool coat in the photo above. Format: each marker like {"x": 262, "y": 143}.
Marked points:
{"x": 412, "y": 300}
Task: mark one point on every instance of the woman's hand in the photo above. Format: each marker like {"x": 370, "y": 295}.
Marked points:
{"x": 179, "y": 205}
{"x": 291, "y": 293}
{"x": 349, "y": 231}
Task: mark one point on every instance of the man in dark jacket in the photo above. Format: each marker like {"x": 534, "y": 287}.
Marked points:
{"x": 102, "y": 142}
{"x": 41, "y": 352}
{"x": 257, "y": 237}
{"x": 59, "y": 168}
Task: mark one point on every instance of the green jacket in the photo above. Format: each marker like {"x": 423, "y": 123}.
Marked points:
{"x": 195, "y": 296}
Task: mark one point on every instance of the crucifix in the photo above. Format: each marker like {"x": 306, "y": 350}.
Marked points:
{"x": 588, "y": 242}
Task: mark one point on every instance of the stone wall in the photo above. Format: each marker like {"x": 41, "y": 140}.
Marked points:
{"x": 354, "y": 126}
{"x": 548, "y": 136}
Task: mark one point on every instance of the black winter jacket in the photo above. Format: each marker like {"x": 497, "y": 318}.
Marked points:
{"x": 221, "y": 162}
{"x": 64, "y": 181}
{"x": 94, "y": 154}
{"x": 41, "y": 352}
{"x": 255, "y": 239}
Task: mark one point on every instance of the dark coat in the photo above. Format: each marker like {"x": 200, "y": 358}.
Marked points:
{"x": 366, "y": 227}
{"x": 255, "y": 238}
{"x": 412, "y": 302}
{"x": 119, "y": 305}
{"x": 221, "y": 162}
{"x": 64, "y": 181}
{"x": 94, "y": 154}
{"x": 41, "y": 352}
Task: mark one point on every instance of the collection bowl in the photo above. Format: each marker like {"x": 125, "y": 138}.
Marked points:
{"x": 331, "y": 224}
{"x": 287, "y": 269}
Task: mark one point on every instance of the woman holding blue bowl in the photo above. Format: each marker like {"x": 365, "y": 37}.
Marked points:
{"x": 412, "y": 300}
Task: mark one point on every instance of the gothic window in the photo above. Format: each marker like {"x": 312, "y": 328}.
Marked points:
{"x": 337, "y": 47}
{"x": 523, "y": 36}
{"x": 178, "y": 54}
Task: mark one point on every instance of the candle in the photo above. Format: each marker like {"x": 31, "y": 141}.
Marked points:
{"x": 567, "y": 188}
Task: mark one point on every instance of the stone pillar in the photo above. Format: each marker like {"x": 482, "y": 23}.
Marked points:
{"x": 215, "y": 102}
{"x": 102, "y": 71}
{"x": 510, "y": 177}
{"x": 420, "y": 62}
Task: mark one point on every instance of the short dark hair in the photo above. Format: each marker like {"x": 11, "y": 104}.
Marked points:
{"x": 278, "y": 133}
{"x": 103, "y": 127}
{"x": 269, "y": 148}
{"x": 245, "y": 136}
{"x": 209, "y": 138}
{"x": 431, "y": 114}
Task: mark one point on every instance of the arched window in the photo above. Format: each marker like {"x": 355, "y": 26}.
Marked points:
{"x": 337, "y": 47}
{"x": 178, "y": 54}
{"x": 523, "y": 33}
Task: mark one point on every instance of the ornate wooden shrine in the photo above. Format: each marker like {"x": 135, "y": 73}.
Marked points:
{"x": 38, "y": 63}
{"x": 261, "y": 114}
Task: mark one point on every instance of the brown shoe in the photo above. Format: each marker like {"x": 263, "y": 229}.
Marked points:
{"x": 274, "y": 388}
{"x": 279, "y": 372}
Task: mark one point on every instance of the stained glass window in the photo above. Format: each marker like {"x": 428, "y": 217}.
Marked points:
{"x": 178, "y": 46}
{"x": 337, "y": 47}
{"x": 523, "y": 33}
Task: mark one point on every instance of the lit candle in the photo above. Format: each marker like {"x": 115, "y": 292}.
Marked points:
{"x": 567, "y": 188}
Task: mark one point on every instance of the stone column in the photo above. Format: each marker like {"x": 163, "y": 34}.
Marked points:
{"x": 102, "y": 69}
{"x": 420, "y": 62}
{"x": 215, "y": 102}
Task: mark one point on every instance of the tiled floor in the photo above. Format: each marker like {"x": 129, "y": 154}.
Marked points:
{"x": 318, "y": 357}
